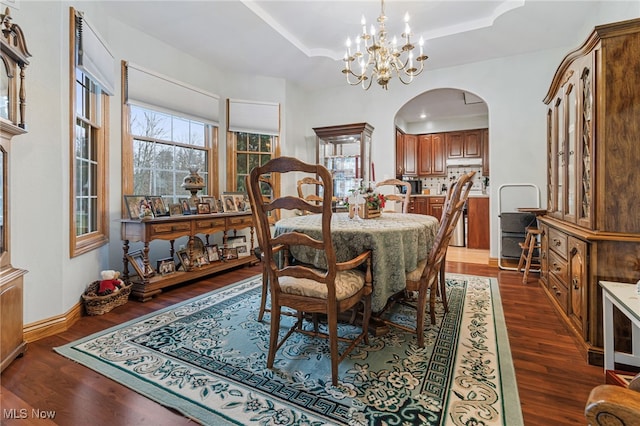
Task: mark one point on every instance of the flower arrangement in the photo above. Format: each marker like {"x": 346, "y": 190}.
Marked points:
{"x": 373, "y": 200}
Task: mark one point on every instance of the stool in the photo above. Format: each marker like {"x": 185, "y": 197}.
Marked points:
{"x": 529, "y": 247}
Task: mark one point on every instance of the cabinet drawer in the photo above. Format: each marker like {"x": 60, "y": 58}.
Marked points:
{"x": 559, "y": 292}
{"x": 558, "y": 267}
{"x": 558, "y": 242}
{"x": 436, "y": 200}
{"x": 239, "y": 222}
{"x": 210, "y": 225}
{"x": 170, "y": 228}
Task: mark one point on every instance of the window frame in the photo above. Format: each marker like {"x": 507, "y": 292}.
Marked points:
{"x": 99, "y": 127}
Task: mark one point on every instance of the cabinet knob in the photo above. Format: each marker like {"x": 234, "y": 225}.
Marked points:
{"x": 575, "y": 283}
{"x": 556, "y": 242}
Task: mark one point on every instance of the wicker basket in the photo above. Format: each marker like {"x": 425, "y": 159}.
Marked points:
{"x": 98, "y": 305}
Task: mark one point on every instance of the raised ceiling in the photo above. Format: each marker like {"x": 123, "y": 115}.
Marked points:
{"x": 303, "y": 40}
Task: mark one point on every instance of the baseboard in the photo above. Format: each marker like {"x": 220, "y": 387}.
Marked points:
{"x": 493, "y": 261}
{"x": 54, "y": 325}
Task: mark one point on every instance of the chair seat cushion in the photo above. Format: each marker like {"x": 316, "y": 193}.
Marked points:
{"x": 348, "y": 283}
{"x": 417, "y": 273}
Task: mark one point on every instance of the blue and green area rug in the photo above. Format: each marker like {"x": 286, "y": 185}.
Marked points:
{"x": 206, "y": 358}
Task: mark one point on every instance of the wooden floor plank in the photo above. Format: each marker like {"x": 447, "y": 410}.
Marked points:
{"x": 554, "y": 379}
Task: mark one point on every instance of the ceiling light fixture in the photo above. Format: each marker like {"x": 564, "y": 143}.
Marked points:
{"x": 384, "y": 59}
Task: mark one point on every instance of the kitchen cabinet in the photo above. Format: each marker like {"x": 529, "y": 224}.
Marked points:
{"x": 464, "y": 144}
{"x": 410, "y": 150}
{"x": 399, "y": 154}
{"x": 431, "y": 155}
{"x": 419, "y": 205}
{"x": 435, "y": 207}
{"x": 478, "y": 223}
{"x": 590, "y": 232}
{"x": 485, "y": 152}
{"x": 345, "y": 150}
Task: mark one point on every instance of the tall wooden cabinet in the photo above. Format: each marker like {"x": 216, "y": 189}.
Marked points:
{"x": 431, "y": 155}
{"x": 12, "y": 123}
{"x": 592, "y": 228}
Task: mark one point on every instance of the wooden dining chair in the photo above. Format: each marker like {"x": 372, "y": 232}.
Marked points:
{"x": 403, "y": 199}
{"x": 423, "y": 281}
{"x": 339, "y": 288}
{"x": 311, "y": 196}
{"x": 466, "y": 182}
{"x": 267, "y": 191}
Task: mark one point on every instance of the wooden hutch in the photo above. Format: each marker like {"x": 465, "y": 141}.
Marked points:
{"x": 591, "y": 231}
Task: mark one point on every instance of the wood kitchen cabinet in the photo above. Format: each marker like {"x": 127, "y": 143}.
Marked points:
{"x": 464, "y": 144}
{"x": 478, "y": 223}
{"x": 431, "y": 155}
{"x": 399, "y": 154}
{"x": 591, "y": 230}
{"x": 485, "y": 152}
{"x": 419, "y": 205}
{"x": 410, "y": 151}
{"x": 435, "y": 207}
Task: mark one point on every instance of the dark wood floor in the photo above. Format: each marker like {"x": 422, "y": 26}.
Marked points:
{"x": 553, "y": 377}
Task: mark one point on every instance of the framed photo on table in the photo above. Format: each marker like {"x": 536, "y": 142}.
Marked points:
{"x": 229, "y": 203}
{"x": 166, "y": 266}
{"x": 229, "y": 253}
{"x": 212, "y": 253}
{"x": 242, "y": 249}
{"x": 157, "y": 206}
{"x": 204, "y": 208}
{"x": 212, "y": 201}
{"x": 185, "y": 260}
{"x": 133, "y": 203}
{"x": 240, "y": 199}
{"x": 175, "y": 209}
{"x": 136, "y": 259}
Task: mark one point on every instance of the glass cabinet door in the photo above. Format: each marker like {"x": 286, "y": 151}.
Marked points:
{"x": 346, "y": 152}
{"x": 571, "y": 103}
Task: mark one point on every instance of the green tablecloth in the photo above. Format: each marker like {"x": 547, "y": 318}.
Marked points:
{"x": 397, "y": 241}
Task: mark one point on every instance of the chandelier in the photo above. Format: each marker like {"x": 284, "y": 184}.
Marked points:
{"x": 380, "y": 59}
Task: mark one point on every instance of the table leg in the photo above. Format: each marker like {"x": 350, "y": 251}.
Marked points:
{"x": 125, "y": 262}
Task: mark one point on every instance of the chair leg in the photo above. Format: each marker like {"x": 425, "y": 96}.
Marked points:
{"x": 265, "y": 288}
{"x": 332, "y": 325}
{"x": 530, "y": 250}
{"x": 274, "y": 334}
{"x": 443, "y": 285}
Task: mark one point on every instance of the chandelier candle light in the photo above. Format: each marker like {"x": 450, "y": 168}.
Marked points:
{"x": 384, "y": 59}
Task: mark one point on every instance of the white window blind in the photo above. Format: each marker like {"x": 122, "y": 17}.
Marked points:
{"x": 94, "y": 57}
{"x": 253, "y": 117}
{"x": 152, "y": 90}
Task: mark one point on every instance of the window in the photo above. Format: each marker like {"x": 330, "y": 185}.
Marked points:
{"x": 168, "y": 127}
{"x": 252, "y": 140}
{"x": 251, "y": 150}
{"x": 89, "y": 101}
{"x": 164, "y": 147}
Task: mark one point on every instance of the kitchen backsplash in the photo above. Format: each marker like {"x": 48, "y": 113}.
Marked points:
{"x": 434, "y": 184}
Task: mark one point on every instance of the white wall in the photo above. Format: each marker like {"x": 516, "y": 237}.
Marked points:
{"x": 512, "y": 87}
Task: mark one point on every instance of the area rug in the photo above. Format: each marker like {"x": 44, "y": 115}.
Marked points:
{"x": 206, "y": 358}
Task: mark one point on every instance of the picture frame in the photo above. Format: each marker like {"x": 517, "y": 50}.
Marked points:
{"x": 237, "y": 239}
{"x": 229, "y": 253}
{"x": 133, "y": 203}
{"x": 200, "y": 260}
{"x": 184, "y": 204}
{"x": 185, "y": 260}
{"x": 242, "y": 249}
{"x": 175, "y": 209}
{"x": 212, "y": 201}
{"x": 212, "y": 253}
{"x": 166, "y": 266}
{"x": 229, "y": 203}
{"x": 136, "y": 259}
{"x": 157, "y": 206}
{"x": 240, "y": 199}
{"x": 204, "y": 208}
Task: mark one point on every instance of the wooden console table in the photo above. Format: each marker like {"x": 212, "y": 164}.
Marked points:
{"x": 170, "y": 228}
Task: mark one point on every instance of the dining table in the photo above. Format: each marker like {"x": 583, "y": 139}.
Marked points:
{"x": 398, "y": 241}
